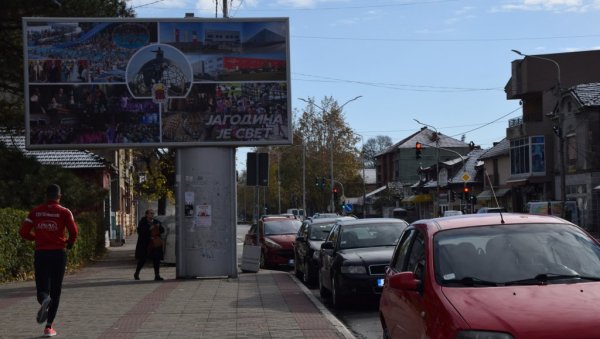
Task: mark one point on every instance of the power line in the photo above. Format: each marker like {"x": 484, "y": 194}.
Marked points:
{"x": 405, "y": 87}
{"x": 449, "y": 40}
{"x": 395, "y": 4}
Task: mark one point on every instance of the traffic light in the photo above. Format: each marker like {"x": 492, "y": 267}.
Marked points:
{"x": 335, "y": 193}
{"x": 465, "y": 193}
{"x": 317, "y": 181}
{"x": 418, "y": 147}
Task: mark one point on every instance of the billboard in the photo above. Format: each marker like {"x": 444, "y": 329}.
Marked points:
{"x": 126, "y": 82}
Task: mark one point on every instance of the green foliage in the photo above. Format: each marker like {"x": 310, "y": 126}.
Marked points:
{"x": 23, "y": 184}
{"x": 156, "y": 175}
{"x": 16, "y": 261}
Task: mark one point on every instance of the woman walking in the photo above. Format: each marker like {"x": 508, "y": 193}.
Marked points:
{"x": 149, "y": 244}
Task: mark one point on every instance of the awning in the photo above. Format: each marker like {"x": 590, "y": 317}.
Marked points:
{"x": 419, "y": 198}
{"x": 487, "y": 194}
{"x": 517, "y": 181}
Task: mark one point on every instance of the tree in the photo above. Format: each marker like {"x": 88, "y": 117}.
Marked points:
{"x": 374, "y": 146}
{"x": 319, "y": 130}
{"x": 156, "y": 173}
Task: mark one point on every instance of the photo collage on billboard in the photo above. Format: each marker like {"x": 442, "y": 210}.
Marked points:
{"x": 156, "y": 83}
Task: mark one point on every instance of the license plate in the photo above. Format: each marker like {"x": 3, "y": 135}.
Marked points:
{"x": 380, "y": 282}
{"x": 291, "y": 262}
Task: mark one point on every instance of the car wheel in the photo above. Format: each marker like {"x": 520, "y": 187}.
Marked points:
{"x": 336, "y": 299}
{"x": 306, "y": 275}
{"x": 297, "y": 272}
{"x": 323, "y": 292}
{"x": 262, "y": 260}
{"x": 386, "y": 332}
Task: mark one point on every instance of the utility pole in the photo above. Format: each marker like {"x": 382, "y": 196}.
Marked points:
{"x": 225, "y": 9}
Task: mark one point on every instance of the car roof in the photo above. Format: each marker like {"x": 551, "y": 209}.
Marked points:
{"x": 329, "y": 220}
{"x": 487, "y": 219}
{"x": 370, "y": 221}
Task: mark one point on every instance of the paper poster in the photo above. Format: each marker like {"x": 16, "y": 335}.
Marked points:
{"x": 189, "y": 204}
{"x": 203, "y": 216}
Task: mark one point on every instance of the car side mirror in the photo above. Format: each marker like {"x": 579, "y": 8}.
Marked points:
{"x": 328, "y": 245}
{"x": 404, "y": 281}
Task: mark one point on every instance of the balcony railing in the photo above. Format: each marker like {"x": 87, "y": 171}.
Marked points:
{"x": 515, "y": 122}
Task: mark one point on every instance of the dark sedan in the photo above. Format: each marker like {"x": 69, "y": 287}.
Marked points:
{"x": 311, "y": 235}
{"x": 354, "y": 257}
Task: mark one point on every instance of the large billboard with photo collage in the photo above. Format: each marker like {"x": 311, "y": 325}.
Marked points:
{"x": 125, "y": 83}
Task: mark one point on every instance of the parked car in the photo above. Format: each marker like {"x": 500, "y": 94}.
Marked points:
{"x": 324, "y": 215}
{"x": 276, "y": 235}
{"x": 491, "y": 210}
{"x": 498, "y": 276}
{"x": 354, "y": 256}
{"x": 308, "y": 242}
{"x": 448, "y": 213}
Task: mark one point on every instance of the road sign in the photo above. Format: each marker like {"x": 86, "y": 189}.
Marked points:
{"x": 466, "y": 177}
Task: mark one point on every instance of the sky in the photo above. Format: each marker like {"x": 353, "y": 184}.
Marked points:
{"x": 442, "y": 62}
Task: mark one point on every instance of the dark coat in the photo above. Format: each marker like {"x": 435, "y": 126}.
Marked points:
{"x": 141, "y": 247}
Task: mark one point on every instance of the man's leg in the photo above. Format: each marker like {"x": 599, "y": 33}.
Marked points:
{"x": 42, "y": 275}
{"x": 41, "y": 264}
{"x": 57, "y": 273}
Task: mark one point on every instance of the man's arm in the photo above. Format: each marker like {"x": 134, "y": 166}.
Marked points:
{"x": 73, "y": 230}
{"x": 26, "y": 230}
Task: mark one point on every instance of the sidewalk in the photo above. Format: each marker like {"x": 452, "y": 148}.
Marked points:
{"x": 103, "y": 300}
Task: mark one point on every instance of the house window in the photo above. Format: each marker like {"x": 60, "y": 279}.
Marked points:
{"x": 571, "y": 146}
{"x": 519, "y": 156}
{"x": 528, "y": 156}
{"x": 538, "y": 155}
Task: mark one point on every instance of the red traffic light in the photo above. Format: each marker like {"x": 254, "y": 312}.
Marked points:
{"x": 418, "y": 146}
{"x": 335, "y": 190}
{"x": 466, "y": 189}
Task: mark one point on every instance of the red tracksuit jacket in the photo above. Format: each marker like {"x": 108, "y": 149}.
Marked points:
{"x": 46, "y": 224}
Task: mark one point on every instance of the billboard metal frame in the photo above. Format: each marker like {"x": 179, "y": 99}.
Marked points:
{"x": 156, "y": 82}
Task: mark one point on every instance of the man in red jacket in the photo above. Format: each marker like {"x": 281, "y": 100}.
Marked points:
{"x": 47, "y": 224}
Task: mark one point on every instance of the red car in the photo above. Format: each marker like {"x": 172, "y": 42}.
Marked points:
{"x": 276, "y": 235}
{"x": 493, "y": 276}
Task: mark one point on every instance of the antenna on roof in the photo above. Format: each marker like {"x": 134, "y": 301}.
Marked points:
{"x": 494, "y": 195}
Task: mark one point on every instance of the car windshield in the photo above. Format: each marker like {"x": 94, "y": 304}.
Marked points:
{"x": 285, "y": 226}
{"x": 515, "y": 254}
{"x": 371, "y": 235}
{"x": 319, "y": 231}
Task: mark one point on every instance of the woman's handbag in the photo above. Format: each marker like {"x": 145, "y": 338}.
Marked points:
{"x": 156, "y": 241}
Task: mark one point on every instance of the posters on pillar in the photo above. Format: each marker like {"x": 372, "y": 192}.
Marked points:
{"x": 189, "y": 204}
{"x": 204, "y": 216}
{"x": 129, "y": 82}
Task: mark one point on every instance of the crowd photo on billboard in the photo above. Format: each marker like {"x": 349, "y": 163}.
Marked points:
{"x": 143, "y": 82}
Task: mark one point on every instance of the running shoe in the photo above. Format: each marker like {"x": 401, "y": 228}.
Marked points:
{"x": 42, "y": 314}
{"x": 49, "y": 332}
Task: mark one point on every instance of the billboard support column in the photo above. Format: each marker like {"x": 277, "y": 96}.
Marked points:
{"x": 206, "y": 212}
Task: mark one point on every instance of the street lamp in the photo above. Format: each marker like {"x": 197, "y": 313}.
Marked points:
{"x": 558, "y": 131}
{"x": 330, "y": 137}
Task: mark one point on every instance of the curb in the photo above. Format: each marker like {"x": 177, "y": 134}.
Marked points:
{"x": 343, "y": 329}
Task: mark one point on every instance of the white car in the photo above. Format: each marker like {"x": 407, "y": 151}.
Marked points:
{"x": 448, "y": 213}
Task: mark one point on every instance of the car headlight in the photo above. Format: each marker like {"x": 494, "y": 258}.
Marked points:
{"x": 271, "y": 243}
{"x": 483, "y": 335}
{"x": 354, "y": 270}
